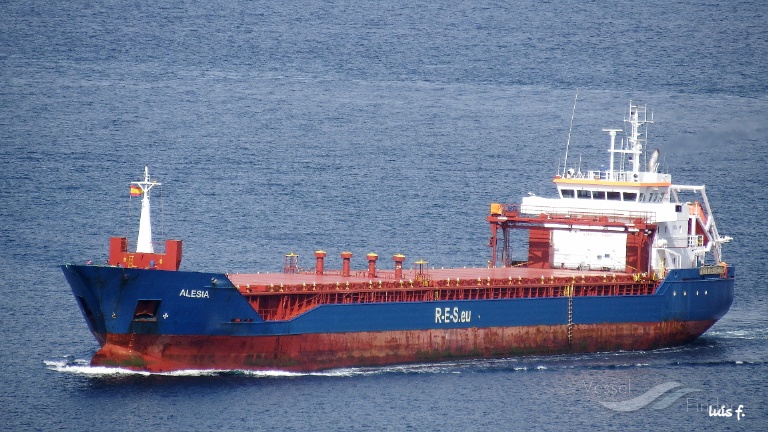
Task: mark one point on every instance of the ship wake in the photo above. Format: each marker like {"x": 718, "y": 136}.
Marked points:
{"x": 677, "y": 356}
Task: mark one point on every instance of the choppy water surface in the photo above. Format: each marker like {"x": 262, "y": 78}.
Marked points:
{"x": 362, "y": 126}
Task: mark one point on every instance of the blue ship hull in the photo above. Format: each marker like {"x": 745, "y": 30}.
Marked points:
{"x": 202, "y": 321}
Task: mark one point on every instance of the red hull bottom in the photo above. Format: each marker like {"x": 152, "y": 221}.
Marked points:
{"x": 308, "y": 352}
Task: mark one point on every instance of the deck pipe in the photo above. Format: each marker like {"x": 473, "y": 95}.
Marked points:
{"x": 346, "y": 263}
{"x": 399, "y": 259}
{"x": 320, "y": 256}
{"x": 372, "y": 257}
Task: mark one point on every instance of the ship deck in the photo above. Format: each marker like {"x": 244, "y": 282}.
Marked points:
{"x": 283, "y": 296}
{"x": 433, "y": 277}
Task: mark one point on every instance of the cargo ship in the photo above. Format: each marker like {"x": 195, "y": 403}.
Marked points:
{"x": 619, "y": 259}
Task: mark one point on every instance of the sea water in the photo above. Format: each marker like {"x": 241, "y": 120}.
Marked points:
{"x": 384, "y": 127}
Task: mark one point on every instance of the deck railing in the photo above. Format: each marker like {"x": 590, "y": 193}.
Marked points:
{"x": 608, "y": 215}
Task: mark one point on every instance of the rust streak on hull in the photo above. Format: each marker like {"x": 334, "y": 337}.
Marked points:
{"x": 308, "y": 352}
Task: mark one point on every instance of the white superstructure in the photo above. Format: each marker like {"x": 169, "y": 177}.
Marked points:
{"x": 631, "y": 189}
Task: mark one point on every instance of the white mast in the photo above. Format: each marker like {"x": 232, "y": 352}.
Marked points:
{"x": 638, "y": 116}
{"x": 612, "y": 132}
{"x": 144, "y": 243}
{"x": 635, "y": 143}
{"x": 568, "y": 143}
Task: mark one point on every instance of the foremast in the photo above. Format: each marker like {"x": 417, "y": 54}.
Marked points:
{"x": 144, "y": 242}
{"x": 145, "y": 256}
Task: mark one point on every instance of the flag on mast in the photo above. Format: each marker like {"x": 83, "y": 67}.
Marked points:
{"x": 135, "y": 191}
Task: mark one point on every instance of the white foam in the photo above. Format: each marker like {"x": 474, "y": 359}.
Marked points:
{"x": 740, "y": 334}
{"x": 83, "y": 367}
{"x": 267, "y": 373}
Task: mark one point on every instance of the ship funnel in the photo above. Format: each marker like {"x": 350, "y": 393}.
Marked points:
{"x": 653, "y": 163}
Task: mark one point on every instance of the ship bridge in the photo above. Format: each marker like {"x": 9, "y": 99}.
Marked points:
{"x": 625, "y": 179}
{"x": 628, "y": 217}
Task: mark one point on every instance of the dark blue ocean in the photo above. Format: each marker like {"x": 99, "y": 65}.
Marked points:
{"x": 382, "y": 127}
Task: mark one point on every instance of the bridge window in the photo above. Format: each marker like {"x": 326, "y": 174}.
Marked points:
{"x": 630, "y": 196}
{"x": 614, "y": 196}
{"x": 584, "y": 194}
{"x": 566, "y": 193}
{"x": 598, "y": 195}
